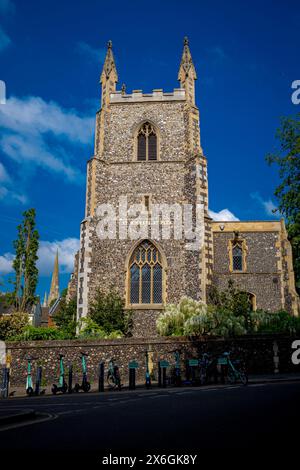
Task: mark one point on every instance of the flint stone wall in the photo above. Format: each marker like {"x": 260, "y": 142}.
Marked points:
{"x": 262, "y": 277}
{"x": 256, "y": 350}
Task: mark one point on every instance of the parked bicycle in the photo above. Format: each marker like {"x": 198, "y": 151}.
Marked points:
{"x": 235, "y": 369}
{"x": 177, "y": 371}
{"x": 208, "y": 368}
{"x": 113, "y": 375}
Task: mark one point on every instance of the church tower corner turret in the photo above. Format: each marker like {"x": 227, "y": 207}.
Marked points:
{"x": 109, "y": 76}
{"x": 187, "y": 72}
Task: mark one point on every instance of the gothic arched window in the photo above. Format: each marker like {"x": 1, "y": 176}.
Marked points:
{"x": 145, "y": 275}
{"x": 147, "y": 143}
{"x": 237, "y": 258}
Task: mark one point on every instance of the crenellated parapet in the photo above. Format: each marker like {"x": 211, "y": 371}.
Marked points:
{"x": 178, "y": 94}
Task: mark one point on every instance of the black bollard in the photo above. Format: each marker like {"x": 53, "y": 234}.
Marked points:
{"x": 70, "y": 378}
{"x": 159, "y": 375}
{"x": 132, "y": 379}
{"x": 177, "y": 377}
{"x": 101, "y": 377}
{"x": 223, "y": 373}
{"x": 5, "y": 382}
{"x": 164, "y": 377}
{"x": 193, "y": 375}
{"x": 38, "y": 380}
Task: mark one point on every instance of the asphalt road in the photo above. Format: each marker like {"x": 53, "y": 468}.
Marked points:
{"x": 261, "y": 416}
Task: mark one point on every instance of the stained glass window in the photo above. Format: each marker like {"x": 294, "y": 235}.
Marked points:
{"x": 146, "y": 275}
{"x": 237, "y": 258}
{"x": 147, "y": 143}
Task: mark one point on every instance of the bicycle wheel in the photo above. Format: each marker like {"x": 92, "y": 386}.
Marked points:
{"x": 231, "y": 377}
{"x": 118, "y": 379}
{"x": 243, "y": 378}
{"x": 29, "y": 391}
{"x": 86, "y": 386}
{"x": 111, "y": 381}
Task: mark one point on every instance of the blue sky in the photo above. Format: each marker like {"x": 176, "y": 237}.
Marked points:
{"x": 246, "y": 55}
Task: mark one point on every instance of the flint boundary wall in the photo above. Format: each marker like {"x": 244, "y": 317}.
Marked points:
{"x": 256, "y": 350}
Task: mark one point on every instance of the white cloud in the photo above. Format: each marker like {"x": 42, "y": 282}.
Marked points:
{"x": 9, "y": 196}
{"x": 4, "y": 40}
{"x": 223, "y": 216}
{"x": 40, "y": 133}
{"x": 66, "y": 251}
{"x": 4, "y": 177}
{"x": 21, "y": 148}
{"x": 93, "y": 54}
{"x": 7, "y": 192}
{"x": 268, "y": 205}
{"x": 46, "y": 253}
{"x": 36, "y": 116}
{"x": 6, "y": 263}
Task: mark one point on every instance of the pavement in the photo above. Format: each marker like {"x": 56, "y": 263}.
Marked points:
{"x": 16, "y": 392}
{"x": 269, "y": 378}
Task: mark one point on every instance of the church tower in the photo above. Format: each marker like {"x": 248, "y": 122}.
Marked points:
{"x": 147, "y": 156}
{"x": 54, "y": 289}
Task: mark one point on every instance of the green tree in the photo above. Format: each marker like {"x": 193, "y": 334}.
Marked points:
{"x": 11, "y": 325}
{"x": 230, "y": 299}
{"x": 279, "y": 322}
{"x": 287, "y": 157}
{"x": 24, "y": 264}
{"x": 107, "y": 310}
{"x": 65, "y": 317}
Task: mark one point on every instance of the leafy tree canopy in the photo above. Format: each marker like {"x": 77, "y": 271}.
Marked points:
{"x": 11, "y": 325}
{"x": 65, "y": 317}
{"x": 24, "y": 264}
{"x": 107, "y": 310}
{"x": 287, "y": 157}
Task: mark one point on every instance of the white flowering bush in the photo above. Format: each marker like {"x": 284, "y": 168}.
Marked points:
{"x": 172, "y": 321}
{"x": 194, "y": 318}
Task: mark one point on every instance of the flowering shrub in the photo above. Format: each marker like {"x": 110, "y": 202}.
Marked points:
{"x": 215, "y": 322}
{"x": 194, "y": 318}
{"x": 14, "y": 324}
{"x": 191, "y": 317}
{"x": 172, "y": 321}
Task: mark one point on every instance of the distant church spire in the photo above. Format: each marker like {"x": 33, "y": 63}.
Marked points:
{"x": 109, "y": 75}
{"x": 187, "y": 72}
{"x": 45, "y": 303}
{"x": 54, "y": 290}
